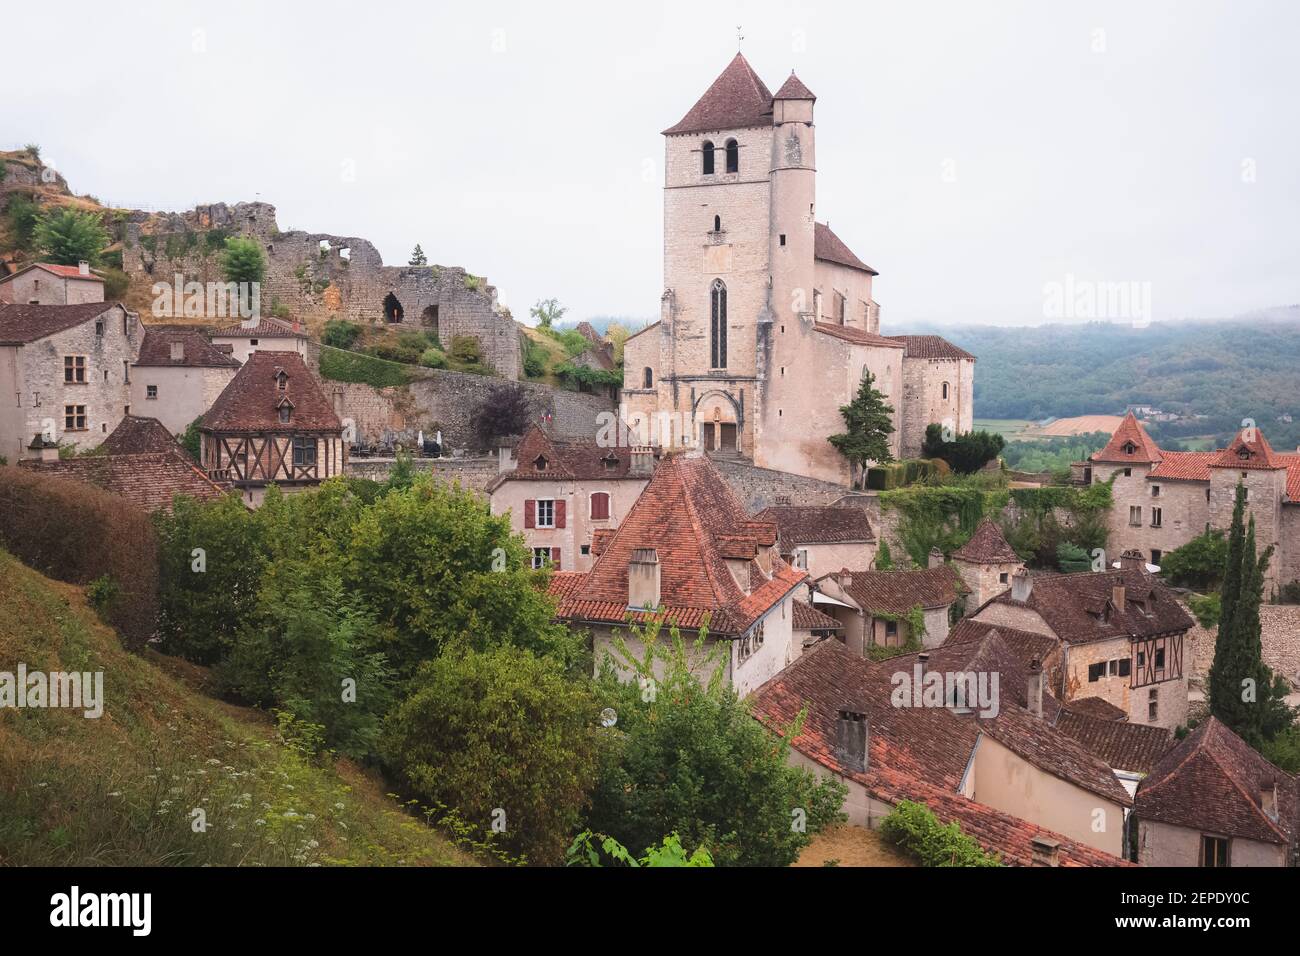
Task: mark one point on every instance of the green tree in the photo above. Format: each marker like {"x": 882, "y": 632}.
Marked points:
{"x": 505, "y": 737}
{"x": 869, "y": 421}
{"x": 22, "y": 215}
{"x": 1199, "y": 563}
{"x": 670, "y": 852}
{"x": 966, "y": 453}
{"x": 547, "y": 312}
{"x": 69, "y": 236}
{"x": 192, "y": 439}
{"x": 418, "y": 258}
{"x": 506, "y": 411}
{"x": 243, "y": 260}
{"x": 686, "y": 756}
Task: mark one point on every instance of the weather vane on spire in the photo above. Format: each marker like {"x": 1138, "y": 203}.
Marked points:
{"x": 740, "y": 38}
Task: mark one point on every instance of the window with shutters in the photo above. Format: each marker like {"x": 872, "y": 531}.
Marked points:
{"x": 540, "y": 557}
{"x": 545, "y": 513}
{"x": 600, "y": 506}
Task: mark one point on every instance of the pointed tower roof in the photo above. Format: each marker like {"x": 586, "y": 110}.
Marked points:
{"x": 1255, "y": 453}
{"x": 1129, "y": 445}
{"x": 737, "y": 98}
{"x": 987, "y": 546}
{"x": 793, "y": 89}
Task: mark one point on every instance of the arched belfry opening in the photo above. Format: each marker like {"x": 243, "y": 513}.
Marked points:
{"x": 707, "y": 160}
{"x": 733, "y": 156}
{"x": 392, "y": 308}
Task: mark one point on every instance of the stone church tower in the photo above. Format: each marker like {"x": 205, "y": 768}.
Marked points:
{"x": 767, "y": 321}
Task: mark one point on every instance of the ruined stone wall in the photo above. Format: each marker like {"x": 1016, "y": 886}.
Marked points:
{"x": 475, "y": 473}
{"x": 321, "y": 276}
{"x": 759, "y": 488}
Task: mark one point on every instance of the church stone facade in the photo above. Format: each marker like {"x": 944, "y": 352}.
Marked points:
{"x": 768, "y": 322}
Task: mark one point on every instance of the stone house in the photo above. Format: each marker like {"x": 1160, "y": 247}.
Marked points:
{"x": 1214, "y": 801}
{"x": 272, "y": 425}
{"x": 1121, "y": 637}
{"x": 267, "y": 334}
{"x": 65, "y": 373}
{"x": 761, "y": 299}
{"x": 178, "y": 375}
{"x": 563, "y": 493}
{"x": 986, "y": 563}
{"x": 44, "y": 283}
{"x": 690, "y": 550}
{"x": 820, "y": 539}
{"x": 873, "y": 606}
{"x": 1164, "y": 499}
{"x": 886, "y": 745}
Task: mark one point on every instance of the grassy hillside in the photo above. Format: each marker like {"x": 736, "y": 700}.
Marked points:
{"x": 121, "y": 789}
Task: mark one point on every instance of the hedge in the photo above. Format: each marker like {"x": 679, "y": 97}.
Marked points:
{"x": 898, "y": 474}
{"x": 915, "y": 830}
{"x": 342, "y": 366}
{"x": 81, "y": 534}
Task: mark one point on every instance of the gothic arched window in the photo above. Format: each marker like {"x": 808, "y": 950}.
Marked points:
{"x": 945, "y": 389}
{"x": 717, "y": 224}
{"x": 649, "y": 378}
{"x": 708, "y": 157}
{"x": 733, "y": 156}
{"x": 718, "y": 324}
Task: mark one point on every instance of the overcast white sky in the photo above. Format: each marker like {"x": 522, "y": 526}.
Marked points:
{"x": 515, "y": 138}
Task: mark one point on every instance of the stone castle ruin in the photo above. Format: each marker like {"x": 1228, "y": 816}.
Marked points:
{"x": 319, "y": 276}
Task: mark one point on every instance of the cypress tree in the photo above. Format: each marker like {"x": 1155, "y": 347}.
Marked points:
{"x": 1231, "y": 661}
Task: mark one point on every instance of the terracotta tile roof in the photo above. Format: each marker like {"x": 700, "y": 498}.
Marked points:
{"x": 588, "y": 332}
{"x": 897, "y": 592}
{"x": 600, "y": 538}
{"x": 987, "y": 545}
{"x": 831, "y": 248}
{"x": 690, "y": 516}
{"x": 808, "y": 618}
{"x": 65, "y": 272}
{"x": 1124, "y": 746}
{"x": 251, "y": 400}
{"x": 1183, "y": 466}
{"x": 1292, "y": 462}
{"x": 1129, "y": 434}
{"x": 857, "y": 336}
{"x": 1026, "y": 645}
{"x": 570, "y": 459}
{"x": 20, "y": 324}
{"x": 797, "y": 525}
{"x": 266, "y": 327}
{"x": 1211, "y": 781}
{"x": 1097, "y": 707}
{"x": 793, "y": 89}
{"x": 196, "y": 350}
{"x": 148, "y": 480}
{"x": 931, "y": 347}
{"x": 1078, "y": 608}
{"x": 737, "y": 99}
{"x": 137, "y": 435}
{"x": 564, "y": 583}
{"x": 1255, "y": 453}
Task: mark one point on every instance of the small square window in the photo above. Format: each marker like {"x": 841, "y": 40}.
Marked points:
{"x": 151, "y": 391}
{"x": 541, "y": 556}
{"x": 1096, "y": 672}
{"x": 1003, "y": 578}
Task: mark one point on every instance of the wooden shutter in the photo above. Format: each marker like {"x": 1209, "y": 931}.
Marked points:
{"x": 555, "y": 558}
{"x": 530, "y": 513}
{"x": 599, "y": 505}
{"x": 559, "y": 512}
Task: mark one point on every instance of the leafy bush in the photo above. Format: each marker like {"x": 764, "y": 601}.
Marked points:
{"x": 582, "y": 378}
{"x": 1206, "y": 608}
{"x": 116, "y": 284}
{"x": 506, "y": 411}
{"x": 103, "y": 594}
{"x": 915, "y": 830}
{"x": 503, "y": 736}
{"x": 22, "y": 214}
{"x": 466, "y": 350}
{"x": 1199, "y": 563}
{"x": 432, "y": 358}
{"x": 668, "y": 853}
{"x": 78, "y": 533}
{"x": 68, "y": 236}
{"x": 534, "y": 358}
{"x": 900, "y": 474}
{"x": 243, "y": 260}
{"x": 966, "y": 453}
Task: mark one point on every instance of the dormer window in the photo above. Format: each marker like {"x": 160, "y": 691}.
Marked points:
{"x": 1244, "y": 454}
{"x": 540, "y": 462}
{"x": 1129, "y": 448}
{"x": 285, "y": 413}
{"x": 282, "y": 380}
{"x": 610, "y": 461}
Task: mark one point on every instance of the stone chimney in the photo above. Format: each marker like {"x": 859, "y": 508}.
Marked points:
{"x": 643, "y": 461}
{"x": 1022, "y": 585}
{"x": 83, "y": 268}
{"x": 1117, "y": 595}
{"x": 1132, "y": 560}
{"x": 851, "y": 740}
{"x": 643, "y": 579}
{"x": 43, "y": 448}
{"x": 845, "y": 579}
{"x": 178, "y": 351}
{"x": 1046, "y": 851}
{"x": 1268, "y": 798}
{"x": 922, "y": 660}
{"x": 1035, "y": 688}
{"x": 936, "y": 558}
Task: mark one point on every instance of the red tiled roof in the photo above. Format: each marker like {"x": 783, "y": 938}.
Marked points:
{"x": 897, "y": 592}
{"x": 1249, "y": 449}
{"x": 1124, "y": 746}
{"x": 573, "y": 459}
{"x": 1026, "y": 645}
{"x": 250, "y": 402}
{"x": 808, "y": 618}
{"x": 1183, "y": 466}
{"x": 987, "y": 546}
{"x": 797, "y": 525}
{"x": 857, "y": 336}
{"x": 1130, "y": 432}
{"x": 137, "y": 435}
{"x": 65, "y": 272}
{"x": 20, "y": 324}
{"x": 1211, "y": 781}
{"x": 831, "y": 248}
{"x": 737, "y": 99}
{"x": 1292, "y": 462}
{"x": 931, "y": 347}
{"x": 564, "y": 583}
{"x": 265, "y": 328}
{"x": 1097, "y": 707}
{"x": 1078, "y": 609}
{"x": 793, "y": 89}
{"x": 691, "y": 517}
{"x": 196, "y": 350}
{"x": 148, "y": 480}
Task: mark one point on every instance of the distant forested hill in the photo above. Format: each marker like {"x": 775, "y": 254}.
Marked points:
{"x": 1226, "y": 370}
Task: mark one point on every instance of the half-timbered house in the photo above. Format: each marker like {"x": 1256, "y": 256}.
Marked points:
{"x": 272, "y": 425}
